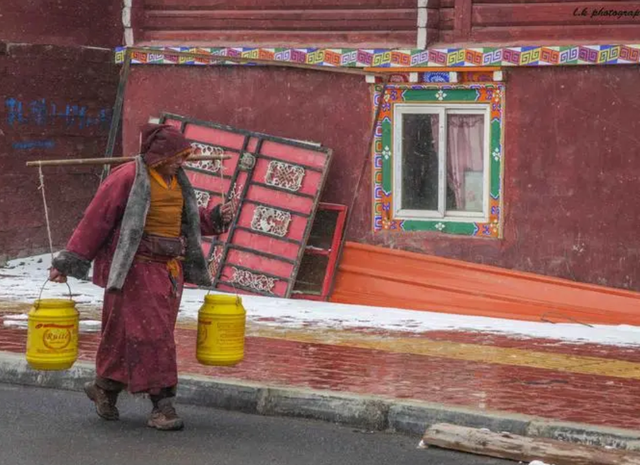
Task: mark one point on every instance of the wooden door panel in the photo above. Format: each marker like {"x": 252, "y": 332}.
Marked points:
{"x": 274, "y": 185}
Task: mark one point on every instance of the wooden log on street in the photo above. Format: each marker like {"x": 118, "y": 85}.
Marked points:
{"x": 112, "y": 161}
{"x": 524, "y": 449}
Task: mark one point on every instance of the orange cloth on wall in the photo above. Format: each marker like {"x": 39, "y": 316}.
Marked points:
{"x": 165, "y": 212}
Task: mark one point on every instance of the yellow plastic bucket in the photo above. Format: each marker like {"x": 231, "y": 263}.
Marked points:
{"x": 221, "y": 329}
{"x": 52, "y": 336}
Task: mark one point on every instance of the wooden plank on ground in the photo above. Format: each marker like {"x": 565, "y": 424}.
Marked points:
{"x": 525, "y": 449}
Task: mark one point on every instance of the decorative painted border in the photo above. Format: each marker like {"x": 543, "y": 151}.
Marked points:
{"x": 382, "y": 169}
{"x": 402, "y": 58}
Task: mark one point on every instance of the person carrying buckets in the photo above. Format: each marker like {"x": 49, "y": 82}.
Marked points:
{"x": 142, "y": 230}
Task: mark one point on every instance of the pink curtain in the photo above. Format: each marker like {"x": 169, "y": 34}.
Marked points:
{"x": 465, "y": 142}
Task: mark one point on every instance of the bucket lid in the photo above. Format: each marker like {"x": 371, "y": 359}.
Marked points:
{"x": 222, "y": 299}
{"x": 54, "y": 303}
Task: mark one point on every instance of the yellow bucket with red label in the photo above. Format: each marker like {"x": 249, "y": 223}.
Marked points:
{"x": 52, "y": 337}
{"x": 221, "y": 330}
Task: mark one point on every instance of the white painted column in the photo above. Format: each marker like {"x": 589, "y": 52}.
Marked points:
{"x": 422, "y": 24}
{"x": 126, "y": 23}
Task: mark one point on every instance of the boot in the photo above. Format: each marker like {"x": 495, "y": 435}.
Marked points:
{"x": 105, "y": 401}
{"x": 164, "y": 416}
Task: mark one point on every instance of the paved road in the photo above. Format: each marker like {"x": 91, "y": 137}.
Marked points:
{"x": 60, "y": 428}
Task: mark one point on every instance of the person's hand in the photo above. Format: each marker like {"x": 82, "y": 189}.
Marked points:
{"x": 56, "y": 277}
{"x": 227, "y": 212}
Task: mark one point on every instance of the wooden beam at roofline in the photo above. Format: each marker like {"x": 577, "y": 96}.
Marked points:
{"x": 286, "y": 64}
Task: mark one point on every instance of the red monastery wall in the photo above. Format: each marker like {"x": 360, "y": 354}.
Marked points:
{"x": 56, "y": 104}
{"x": 570, "y": 164}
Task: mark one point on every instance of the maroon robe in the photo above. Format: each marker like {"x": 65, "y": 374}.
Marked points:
{"x": 138, "y": 321}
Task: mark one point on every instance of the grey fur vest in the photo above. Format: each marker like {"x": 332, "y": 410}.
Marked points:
{"x": 132, "y": 230}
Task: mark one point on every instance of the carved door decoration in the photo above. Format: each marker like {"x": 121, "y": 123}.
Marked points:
{"x": 274, "y": 185}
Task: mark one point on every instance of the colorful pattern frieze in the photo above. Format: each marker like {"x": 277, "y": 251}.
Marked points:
{"x": 463, "y": 77}
{"x": 401, "y": 58}
{"x": 382, "y": 170}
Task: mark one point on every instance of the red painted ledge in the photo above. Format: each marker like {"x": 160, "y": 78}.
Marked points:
{"x": 382, "y": 277}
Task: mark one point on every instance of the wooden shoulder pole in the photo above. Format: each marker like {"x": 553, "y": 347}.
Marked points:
{"x": 111, "y": 161}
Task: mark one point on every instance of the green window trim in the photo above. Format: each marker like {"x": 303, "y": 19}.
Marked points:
{"x": 397, "y": 97}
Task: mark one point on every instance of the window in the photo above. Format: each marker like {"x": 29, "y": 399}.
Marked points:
{"x": 441, "y": 162}
{"x": 438, "y": 158}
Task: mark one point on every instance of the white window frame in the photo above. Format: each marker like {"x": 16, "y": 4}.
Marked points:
{"x": 441, "y": 110}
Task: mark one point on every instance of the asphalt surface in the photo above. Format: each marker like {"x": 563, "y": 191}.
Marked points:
{"x": 45, "y": 426}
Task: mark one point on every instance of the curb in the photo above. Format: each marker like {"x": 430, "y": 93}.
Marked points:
{"x": 366, "y": 412}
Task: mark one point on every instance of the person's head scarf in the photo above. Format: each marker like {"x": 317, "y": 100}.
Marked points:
{"x": 162, "y": 143}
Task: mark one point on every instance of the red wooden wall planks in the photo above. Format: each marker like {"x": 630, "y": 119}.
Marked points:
{"x": 357, "y": 23}
{"x": 96, "y": 23}
{"x": 540, "y": 21}
{"x": 382, "y": 23}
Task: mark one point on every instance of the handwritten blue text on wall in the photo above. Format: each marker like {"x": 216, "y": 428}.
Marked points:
{"x": 42, "y": 113}
{"x": 34, "y": 144}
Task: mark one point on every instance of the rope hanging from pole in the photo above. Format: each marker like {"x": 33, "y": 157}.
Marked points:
{"x": 46, "y": 210}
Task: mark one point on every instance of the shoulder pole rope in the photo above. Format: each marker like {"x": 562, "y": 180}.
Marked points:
{"x": 46, "y": 218}
{"x": 46, "y": 210}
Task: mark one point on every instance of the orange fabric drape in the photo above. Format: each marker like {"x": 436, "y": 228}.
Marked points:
{"x": 165, "y": 212}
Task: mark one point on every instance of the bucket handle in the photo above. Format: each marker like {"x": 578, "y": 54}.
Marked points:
{"x": 42, "y": 289}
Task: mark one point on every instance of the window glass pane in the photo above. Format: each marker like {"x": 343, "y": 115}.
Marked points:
{"x": 465, "y": 162}
{"x": 419, "y": 162}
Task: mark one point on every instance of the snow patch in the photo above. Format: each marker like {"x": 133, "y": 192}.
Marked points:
{"x": 22, "y": 280}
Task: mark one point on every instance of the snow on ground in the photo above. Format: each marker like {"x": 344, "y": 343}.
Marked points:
{"x": 22, "y": 280}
